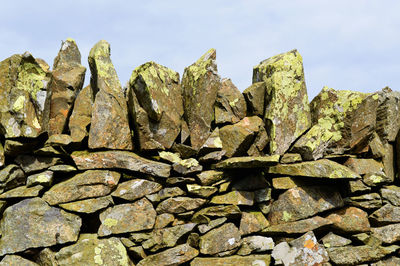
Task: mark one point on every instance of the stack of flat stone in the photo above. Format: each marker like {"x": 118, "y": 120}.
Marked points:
{"x": 171, "y": 171}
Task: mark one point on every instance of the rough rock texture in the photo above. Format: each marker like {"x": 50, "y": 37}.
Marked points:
{"x": 287, "y": 112}
{"x": 221, "y": 239}
{"x": 230, "y": 106}
{"x": 173, "y": 256}
{"x": 200, "y": 85}
{"x": 159, "y": 94}
{"x": 232, "y": 260}
{"x": 109, "y": 125}
{"x": 66, "y": 81}
{"x": 42, "y": 226}
{"x": 355, "y": 255}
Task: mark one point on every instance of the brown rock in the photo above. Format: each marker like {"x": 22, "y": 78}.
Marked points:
{"x": 297, "y": 227}
{"x": 350, "y": 220}
{"x": 136, "y": 189}
{"x": 81, "y": 116}
{"x": 255, "y": 96}
{"x": 224, "y": 238}
{"x": 88, "y": 205}
{"x": 179, "y": 205}
{"x": 364, "y": 166}
{"x": 387, "y": 214}
{"x": 248, "y": 162}
{"x": 252, "y": 222}
{"x": 22, "y": 192}
{"x": 234, "y": 198}
{"x": 109, "y": 125}
{"x": 230, "y": 106}
{"x": 355, "y": 255}
{"x": 233, "y": 260}
{"x": 173, "y": 256}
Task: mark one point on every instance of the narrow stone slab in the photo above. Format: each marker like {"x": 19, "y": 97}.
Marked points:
{"x": 43, "y": 226}
{"x": 136, "y": 189}
{"x": 255, "y": 96}
{"x": 235, "y": 198}
{"x": 22, "y": 192}
{"x": 319, "y": 169}
{"x": 248, "y": 162}
{"x": 81, "y": 114}
{"x": 233, "y": 260}
{"x": 331, "y": 240}
{"x": 387, "y": 214}
{"x": 287, "y": 112}
{"x": 388, "y": 234}
{"x": 173, "y": 256}
{"x": 88, "y": 205}
{"x": 179, "y": 205}
{"x": 297, "y": 227}
{"x": 119, "y": 160}
{"x": 109, "y": 125}
{"x": 132, "y": 217}
{"x": 364, "y": 166}
{"x": 355, "y": 255}
{"x": 200, "y": 84}
{"x": 16, "y": 260}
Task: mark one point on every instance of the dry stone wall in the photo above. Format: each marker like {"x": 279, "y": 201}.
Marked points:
{"x": 171, "y": 171}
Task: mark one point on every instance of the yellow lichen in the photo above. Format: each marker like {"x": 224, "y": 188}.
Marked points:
{"x": 19, "y": 103}
{"x": 110, "y": 222}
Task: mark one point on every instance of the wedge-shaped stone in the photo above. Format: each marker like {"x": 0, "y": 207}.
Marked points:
{"x": 43, "y": 226}
{"x": 212, "y": 144}
{"x": 132, "y": 217}
{"x": 22, "y": 192}
{"x": 355, "y": 255}
{"x": 237, "y": 139}
{"x": 252, "y": 222}
{"x": 221, "y": 239}
{"x": 233, "y": 260}
{"x": 297, "y": 227}
{"x": 136, "y": 189}
{"x": 24, "y": 81}
{"x": 210, "y": 177}
{"x": 201, "y": 191}
{"x": 255, "y": 96}
{"x": 234, "y": 198}
{"x": 109, "y": 125}
{"x": 11, "y": 176}
{"x": 165, "y": 193}
{"x": 388, "y": 234}
{"x": 120, "y": 160}
{"x": 173, "y": 256}
{"x": 31, "y": 164}
{"x": 248, "y": 162}
{"x": 391, "y": 194}
{"x": 349, "y": 220}
{"x": 159, "y": 94}
{"x": 16, "y": 260}
{"x": 81, "y": 116}
{"x": 230, "y": 106}
{"x": 204, "y": 215}
{"x": 88, "y": 205}
{"x": 365, "y": 166}
{"x": 66, "y": 81}
{"x": 94, "y": 251}
{"x": 200, "y": 85}
{"x": 387, "y": 214}
{"x": 287, "y": 111}
{"x": 302, "y": 202}
{"x": 331, "y": 240}
{"x": 319, "y": 169}
{"x": 387, "y": 118}
{"x": 179, "y": 205}
{"x": 89, "y": 184}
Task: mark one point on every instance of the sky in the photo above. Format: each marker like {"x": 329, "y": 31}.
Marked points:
{"x": 352, "y": 45}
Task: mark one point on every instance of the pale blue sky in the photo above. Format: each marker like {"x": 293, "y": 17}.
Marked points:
{"x": 345, "y": 44}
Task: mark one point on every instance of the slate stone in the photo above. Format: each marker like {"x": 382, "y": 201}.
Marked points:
{"x": 187, "y": 166}
{"x": 155, "y": 86}
{"x": 16, "y": 260}
{"x": 213, "y": 143}
{"x": 45, "y": 179}
{"x": 230, "y": 105}
{"x": 81, "y": 116}
{"x": 355, "y": 255}
{"x": 255, "y": 96}
{"x": 386, "y": 214}
{"x": 204, "y": 215}
{"x": 366, "y": 201}
{"x": 22, "y": 96}
{"x": 252, "y": 222}
{"x": 232, "y": 260}
{"x": 287, "y": 111}
{"x": 173, "y": 256}
{"x": 234, "y": 198}
{"x": 13, "y": 147}
{"x": 387, "y": 119}
{"x": 90, "y": 250}
{"x": 119, "y": 160}
{"x": 364, "y": 166}
{"x": 166, "y": 193}
{"x": 31, "y": 164}
{"x": 255, "y": 244}
{"x": 388, "y": 234}
{"x": 200, "y": 85}
{"x": 131, "y": 217}
{"x": 210, "y": 177}
{"x": 66, "y": 81}
{"x": 391, "y": 261}
{"x": 136, "y": 189}
{"x": 43, "y": 226}
{"x": 357, "y": 187}
{"x": 89, "y": 184}
{"x": 109, "y": 126}
{"x": 299, "y": 203}
{"x": 88, "y": 205}
{"x": 163, "y": 220}
{"x": 248, "y": 162}
{"x": 201, "y": 191}
{"x": 323, "y": 168}
{"x": 391, "y": 194}
{"x": 297, "y": 227}
{"x": 2, "y": 157}
{"x": 22, "y": 192}
{"x": 11, "y": 176}
{"x": 288, "y": 182}
{"x": 179, "y": 205}
{"x": 221, "y": 239}
{"x": 331, "y": 241}
{"x": 290, "y": 158}
{"x": 204, "y": 228}
{"x": 349, "y": 220}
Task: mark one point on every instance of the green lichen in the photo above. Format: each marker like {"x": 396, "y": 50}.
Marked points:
{"x": 31, "y": 77}
{"x": 286, "y": 216}
{"x": 19, "y": 103}
{"x": 233, "y": 102}
{"x": 122, "y": 256}
{"x": 110, "y": 222}
{"x": 201, "y": 67}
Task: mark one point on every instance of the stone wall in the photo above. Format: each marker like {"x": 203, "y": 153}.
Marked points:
{"x": 170, "y": 170}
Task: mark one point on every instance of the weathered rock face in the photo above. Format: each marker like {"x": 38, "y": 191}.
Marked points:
{"x": 23, "y": 91}
{"x": 173, "y": 256}
{"x": 42, "y": 226}
{"x": 218, "y": 240}
{"x": 109, "y": 125}
{"x": 230, "y": 106}
{"x": 200, "y": 85}
{"x": 287, "y": 111}
{"x": 255, "y": 97}
{"x": 66, "y": 81}
{"x": 159, "y": 95}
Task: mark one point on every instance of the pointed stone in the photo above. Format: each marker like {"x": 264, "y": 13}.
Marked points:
{"x": 187, "y": 166}
{"x": 349, "y": 220}
{"x": 221, "y": 239}
{"x": 155, "y": 86}
{"x": 44, "y": 226}
{"x": 90, "y": 250}
{"x": 58, "y": 140}
{"x": 119, "y": 160}
{"x": 297, "y": 227}
{"x": 66, "y": 81}
{"x": 255, "y": 97}
{"x": 132, "y": 217}
{"x": 81, "y": 116}
{"x": 233, "y": 260}
{"x": 230, "y": 106}
{"x": 89, "y": 184}
{"x": 200, "y": 85}
{"x": 237, "y": 139}
{"x": 136, "y": 189}
{"x": 173, "y": 256}
{"x": 22, "y": 96}
{"x": 323, "y": 168}
{"x": 387, "y": 115}
{"x": 88, "y": 205}
{"x": 299, "y": 203}
{"x": 109, "y": 125}
{"x": 287, "y": 111}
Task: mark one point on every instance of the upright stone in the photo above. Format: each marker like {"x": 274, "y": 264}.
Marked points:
{"x": 109, "y": 125}
{"x": 200, "y": 84}
{"x": 387, "y": 116}
{"x": 255, "y": 97}
{"x": 81, "y": 115}
{"x": 66, "y": 80}
{"x": 23, "y": 92}
{"x": 230, "y": 106}
{"x": 287, "y": 112}
{"x": 160, "y": 95}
